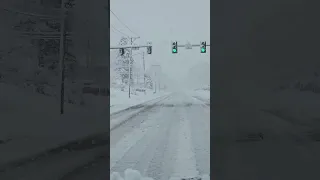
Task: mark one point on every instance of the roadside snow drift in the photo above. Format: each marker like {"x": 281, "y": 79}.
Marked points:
{"x": 32, "y": 122}
{"x": 130, "y": 174}
{"x": 119, "y": 100}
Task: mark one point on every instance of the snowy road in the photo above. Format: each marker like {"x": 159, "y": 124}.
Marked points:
{"x": 169, "y": 139}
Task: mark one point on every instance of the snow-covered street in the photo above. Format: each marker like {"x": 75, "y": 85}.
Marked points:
{"x": 172, "y": 139}
{"x": 168, "y": 139}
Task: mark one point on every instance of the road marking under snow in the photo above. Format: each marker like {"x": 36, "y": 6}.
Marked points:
{"x": 186, "y": 164}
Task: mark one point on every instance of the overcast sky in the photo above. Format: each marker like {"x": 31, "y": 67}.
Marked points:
{"x": 161, "y": 21}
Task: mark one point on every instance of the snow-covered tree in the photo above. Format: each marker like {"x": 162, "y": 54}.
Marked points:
{"x": 149, "y": 82}
{"x": 89, "y": 23}
{"x": 122, "y": 62}
{"x": 86, "y": 47}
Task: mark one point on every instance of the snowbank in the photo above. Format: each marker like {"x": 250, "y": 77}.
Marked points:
{"x": 303, "y": 106}
{"x": 119, "y": 100}
{"x": 118, "y": 117}
{"x": 298, "y": 102}
{"x": 130, "y": 174}
{"x": 205, "y": 94}
{"x": 32, "y": 122}
{"x": 200, "y": 94}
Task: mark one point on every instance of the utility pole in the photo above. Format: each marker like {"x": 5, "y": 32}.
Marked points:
{"x": 62, "y": 36}
{"x": 155, "y": 82}
{"x": 138, "y": 78}
{"x": 61, "y": 55}
{"x": 129, "y": 81}
{"x": 157, "y": 76}
{"x": 144, "y": 71}
{"x": 88, "y": 64}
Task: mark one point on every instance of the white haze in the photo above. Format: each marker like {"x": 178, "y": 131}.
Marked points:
{"x": 162, "y": 22}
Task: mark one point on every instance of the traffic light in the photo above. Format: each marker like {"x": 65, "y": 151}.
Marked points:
{"x": 121, "y": 51}
{"x": 174, "y": 47}
{"x": 203, "y": 47}
{"x": 149, "y": 49}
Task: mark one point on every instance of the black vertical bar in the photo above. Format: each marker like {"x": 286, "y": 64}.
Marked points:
{"x": 62, "y": 76}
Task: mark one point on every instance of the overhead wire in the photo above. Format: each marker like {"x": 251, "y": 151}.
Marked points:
{"x": 122, "y": 22}
{"x": 118, "y": 30}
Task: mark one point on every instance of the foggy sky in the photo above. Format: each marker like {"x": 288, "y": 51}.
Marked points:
{"x": 161, "y": 22}
{"x": 261, "y": 45}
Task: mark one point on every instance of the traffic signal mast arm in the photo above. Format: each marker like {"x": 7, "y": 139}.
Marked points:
{"x": 121, "y": 47}
{"x": 193, "y": 45}
{"x": 203, "y": 46}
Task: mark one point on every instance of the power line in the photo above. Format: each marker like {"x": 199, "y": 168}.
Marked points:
{"x": 122, "y": 22}
{"x": 30, "y": 14}
{"x": 118, "y": 31}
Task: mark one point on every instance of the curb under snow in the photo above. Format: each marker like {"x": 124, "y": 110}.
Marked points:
{"x": 137, "y": 105}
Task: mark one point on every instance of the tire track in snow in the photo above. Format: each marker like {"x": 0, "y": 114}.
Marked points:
{"x": 128, "y": 141}
{"x": 160, "y": 164}
{"x": 185, "y": 160}
{"x": 200, "y": 135}
{"x": 138, "y": 151}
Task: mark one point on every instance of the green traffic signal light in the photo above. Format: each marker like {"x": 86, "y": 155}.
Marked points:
{"x": 203, "y": 45}
{"x": 175, "y": 47}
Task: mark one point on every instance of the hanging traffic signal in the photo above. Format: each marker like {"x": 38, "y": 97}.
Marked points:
{"x": 174, "y": 47}
{"x": 149, "y": 49}
{"x": 203, "y": 47}
{"x": 121, "y": 51}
